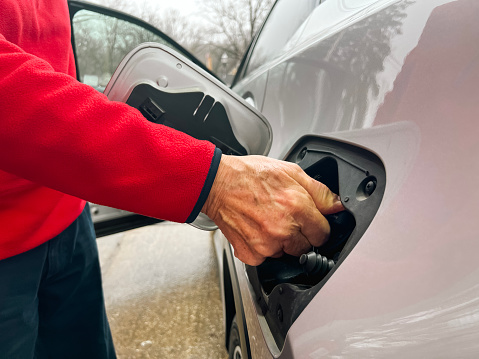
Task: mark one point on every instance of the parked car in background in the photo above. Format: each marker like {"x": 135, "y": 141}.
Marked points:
{"x": 378, "y": 100}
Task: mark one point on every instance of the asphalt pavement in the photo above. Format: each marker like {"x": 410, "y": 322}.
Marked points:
{"x": 162, "y": 292}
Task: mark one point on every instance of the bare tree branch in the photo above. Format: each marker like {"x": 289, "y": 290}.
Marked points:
{"x": 229, "y": 28}
{"x": 233, "y": 24}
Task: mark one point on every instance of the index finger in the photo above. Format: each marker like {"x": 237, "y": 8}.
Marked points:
{"x": 326, "y": 201}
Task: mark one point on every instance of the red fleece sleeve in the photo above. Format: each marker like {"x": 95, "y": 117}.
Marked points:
{"x": 67, "y": 136}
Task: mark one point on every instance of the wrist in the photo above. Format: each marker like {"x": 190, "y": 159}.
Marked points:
{"x": 210, "y": 208}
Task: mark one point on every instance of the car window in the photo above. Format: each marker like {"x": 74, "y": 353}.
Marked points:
{"x": 102, "y": 41}
{"x": 284, "y": 20}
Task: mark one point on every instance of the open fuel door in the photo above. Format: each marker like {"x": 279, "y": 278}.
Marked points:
{"x": 170, "y": 90}
{"x": 166, "y": 83}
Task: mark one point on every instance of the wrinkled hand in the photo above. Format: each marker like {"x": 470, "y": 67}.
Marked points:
{"x": 267, "y": 207}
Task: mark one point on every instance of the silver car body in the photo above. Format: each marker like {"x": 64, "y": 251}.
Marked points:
{"x": 400, "y": 79}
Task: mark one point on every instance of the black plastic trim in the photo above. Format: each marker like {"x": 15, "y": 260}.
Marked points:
{"x": 116, "y": 225}
{"x": 346, "y": 169}
{"x": 229, "y": 300}
{"x": 238, "y": 302}
{"x": 179, "y": 111}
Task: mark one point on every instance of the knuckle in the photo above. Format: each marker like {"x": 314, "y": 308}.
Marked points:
{"x": 321, "y": 187}
{"x": 242, "y": 257}
{"x": 320, "y": 238}
{"x": 290, "y": 198}
{"x": 267, "y": 250}
{"x": 298, "y": 205}
{"x": 276, "y": 231}
{"x": 297, "y": 202}
{"x": 296, "y": 247}
{"x": 256, "y": 262}
{"x": 296, "y": 168}
{"x": 252, "y": 260}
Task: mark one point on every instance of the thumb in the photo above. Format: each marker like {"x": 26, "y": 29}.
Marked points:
{"x": 326, "y": 201}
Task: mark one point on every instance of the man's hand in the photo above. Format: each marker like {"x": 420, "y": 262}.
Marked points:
{"x": 266, "y": 207}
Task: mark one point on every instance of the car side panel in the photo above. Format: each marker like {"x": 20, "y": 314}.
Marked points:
{"x": 254, "y": 89}
{"x": 402, "y": 81}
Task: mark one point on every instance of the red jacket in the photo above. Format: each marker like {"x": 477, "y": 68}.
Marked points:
{"x": 61, "y": 140}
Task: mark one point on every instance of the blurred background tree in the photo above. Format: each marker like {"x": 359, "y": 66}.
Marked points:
{"x": 232, "y": 25}
{"x": 218, "y": 34}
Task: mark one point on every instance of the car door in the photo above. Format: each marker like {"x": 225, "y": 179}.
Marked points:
{"x": 161, "y": 79}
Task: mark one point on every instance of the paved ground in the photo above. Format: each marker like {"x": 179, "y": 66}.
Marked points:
{"x": 162, "y": 293}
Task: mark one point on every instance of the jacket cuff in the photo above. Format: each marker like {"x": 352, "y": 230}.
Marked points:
{"x": 210, "y": 178}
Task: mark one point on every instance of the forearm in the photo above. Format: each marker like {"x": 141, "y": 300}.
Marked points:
{"x": 67, "y": 136}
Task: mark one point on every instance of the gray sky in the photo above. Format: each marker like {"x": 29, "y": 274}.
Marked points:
{"x": 187, "y": 7}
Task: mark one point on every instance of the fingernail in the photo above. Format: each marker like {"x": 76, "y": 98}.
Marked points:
{"x": 337, "y": 203}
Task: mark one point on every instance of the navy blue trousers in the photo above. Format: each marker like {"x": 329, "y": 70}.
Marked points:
{"x": 51, "y": 299}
